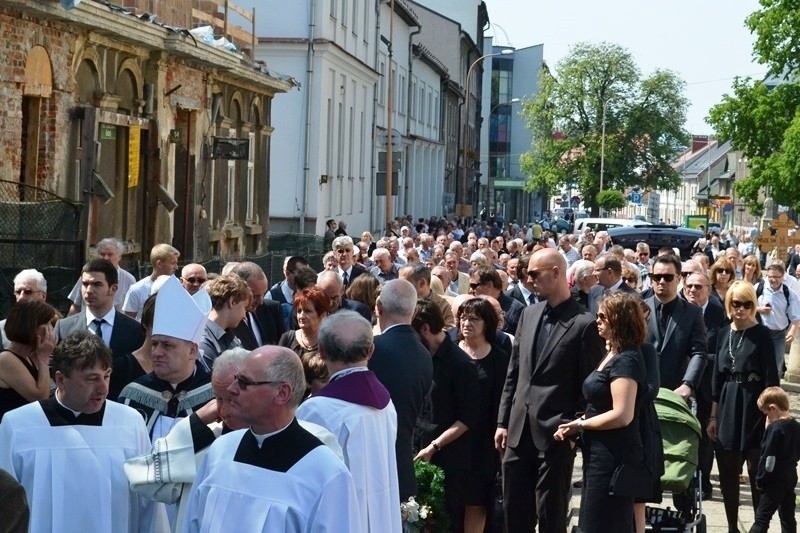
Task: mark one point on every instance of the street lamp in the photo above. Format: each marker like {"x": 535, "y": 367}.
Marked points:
{"x": 504, "y": 52}
{"x": 603, "y": 145}
{"x": 509, "y": 102}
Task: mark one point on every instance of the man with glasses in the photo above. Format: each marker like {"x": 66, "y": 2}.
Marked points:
{"x": 557, "y": 345}
{"x": 331, "y": 284}
{"x": 485, "y": 280}
{"x": 274, "y": 475}
{"x": 348, "y": 268}
{"x": 29, "y": 284}
{"x": 779, "y": 309}
{"x": 697, "y": 291}
{"x": 283, "y": 291}
{"x": 608, "y": 269}
{"x": 193, "y": 276}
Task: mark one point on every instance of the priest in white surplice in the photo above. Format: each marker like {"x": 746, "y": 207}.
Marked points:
{"x": 167, "y": 473}
{"x": 358, "y": 410}
{"x": 68, "y": 451}
{"x": 275, "y": 476}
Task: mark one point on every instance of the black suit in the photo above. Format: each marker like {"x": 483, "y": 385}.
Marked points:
{"x": 596, "y": 294}
{"x": 512, "y": 310}
{"x": 268, "y": 319}
{"x": 127, "y": 335}
{"x": 682, "y": 351}
{"x": 515, "y": 292}
{"x": 543, "y": 390}
{"x": 356, "y": 271}
{"x": 359, "y": 307}
{"x": 404, "y": 366}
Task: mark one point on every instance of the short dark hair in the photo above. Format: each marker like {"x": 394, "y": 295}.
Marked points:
{"x": 488, "y": 274}
{"x": 612, "y": 263}
{"x": 669, "y": 260}
{"x": 294, "y": 261}
{"x": 305, "y": 277}
{"x": 483, "y": 309}
{"x": 429, "y": 313}
{"x": 25, "y": 317}
{"x": 522, "y": 266}
{"x": 103, "y": 266}
{"x": 80, "y": 351}
{"x": 149, "y": 311}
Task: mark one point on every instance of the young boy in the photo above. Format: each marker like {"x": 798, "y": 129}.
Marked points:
{"x": 777, "y": 467}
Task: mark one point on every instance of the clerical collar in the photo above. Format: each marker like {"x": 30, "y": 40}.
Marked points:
{"x": 59, "y": 415}
{"x": 183, "y": 385}
{"x": 279, "y": 453}
{"x": 73, "y": 411}
{"x": 345, "y": 371}
{"x": 261, "y": 438}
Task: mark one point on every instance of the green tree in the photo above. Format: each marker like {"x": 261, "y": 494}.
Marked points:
{"x": 644, "y": 120}
{"x": 611, "y": 199}
{"x": 761, "y": 119}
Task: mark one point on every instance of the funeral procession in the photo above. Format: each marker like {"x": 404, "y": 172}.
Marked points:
{"x": 399, "y": 266}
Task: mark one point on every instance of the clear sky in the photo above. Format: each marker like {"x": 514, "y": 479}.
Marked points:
{"x": 704, "y": 41}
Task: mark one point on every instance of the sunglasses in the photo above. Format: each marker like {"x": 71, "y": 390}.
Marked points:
{"x": 686, "y": 274}
{"x": 695, "y": 286}
{"x": 737, "y": 304}
{"x": 474, "y": 286}
{"x": 243, "y": 382}
{"x": 194, "y": 280}
{"x": 723, "y": 271}
{"x": 669, "y": 278}
{"x": 534, "y": 273}
{"x": 645, "y": 254}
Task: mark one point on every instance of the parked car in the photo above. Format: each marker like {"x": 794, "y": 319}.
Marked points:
{"x": 657, "y": 237}
{"x": 601, "y": 224}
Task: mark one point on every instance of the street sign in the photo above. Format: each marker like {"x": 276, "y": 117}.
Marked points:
{"x": 558, "y": 201}
{"x": 574, "y": 202}
{"x": 636, "y": 198}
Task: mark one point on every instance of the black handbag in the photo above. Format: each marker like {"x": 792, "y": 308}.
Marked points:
{"x": 630, "y": 480}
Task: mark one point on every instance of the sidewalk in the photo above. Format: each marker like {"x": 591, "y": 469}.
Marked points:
{"x": 713, "y": 509}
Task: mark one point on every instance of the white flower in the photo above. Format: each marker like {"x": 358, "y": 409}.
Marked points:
{"x": 424, "y": 512}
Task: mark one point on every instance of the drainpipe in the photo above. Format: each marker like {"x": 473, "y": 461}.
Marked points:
{"x": 373, "y": 169}
{"x": 307, "y": 138}
{"x": 408, "y": 107}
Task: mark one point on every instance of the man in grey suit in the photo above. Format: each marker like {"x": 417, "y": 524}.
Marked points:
{"x": 557, "y": 345}
{"x": 98, "y": 286}
{"x": 29, "y": 284}
{"x": 608, "y": 270}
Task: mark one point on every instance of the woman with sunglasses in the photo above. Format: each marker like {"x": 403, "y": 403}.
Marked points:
{"x": 744, "y": 366}
{"x": 722, "y": 274}
{"x": 610, "y": 428}
{"x": 477, "y": 333}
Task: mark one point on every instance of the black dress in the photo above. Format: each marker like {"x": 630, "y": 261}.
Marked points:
{"x": 604, "y": 450}
{"x": 484, "y": 459}
{"x": 125, "y": 369}
{"x": 743, "y": 369}
{"x": 11, "y": 399}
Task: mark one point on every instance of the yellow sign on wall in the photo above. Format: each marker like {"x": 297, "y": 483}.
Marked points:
{"x": 134, "y": 146}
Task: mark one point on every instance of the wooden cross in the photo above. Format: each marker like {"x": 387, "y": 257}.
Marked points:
{"x": 778, "y": 237}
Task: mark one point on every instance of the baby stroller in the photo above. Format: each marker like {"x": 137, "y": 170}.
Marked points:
{"x": 680, "y": 433}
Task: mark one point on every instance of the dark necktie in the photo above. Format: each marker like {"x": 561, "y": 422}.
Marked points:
{"x": 345, "y": 278}
{"x": 98, "y": 329}
{"x": 544, "y": 331}
{"x": 661, "y": 316}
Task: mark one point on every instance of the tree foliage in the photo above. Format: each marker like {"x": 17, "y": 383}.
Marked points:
{"x": 644, "y": 120}
{"x": 611, "y": 199}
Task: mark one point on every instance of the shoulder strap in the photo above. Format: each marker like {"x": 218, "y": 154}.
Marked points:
{"x": 785, "y": 293}
{"x": 759, "y": 289}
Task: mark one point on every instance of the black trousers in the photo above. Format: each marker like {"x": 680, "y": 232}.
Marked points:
{"x": 730, "y": 466}
{"x": 536, "y": 485}
{"x": 781, "y": 499}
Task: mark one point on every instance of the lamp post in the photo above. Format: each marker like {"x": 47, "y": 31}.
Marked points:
{"x": 504, "y": 52}
{"x": 603, "y": 146}
{"x": 490, "y": 177}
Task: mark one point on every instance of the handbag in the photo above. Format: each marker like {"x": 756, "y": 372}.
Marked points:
{"x": 630, "y": 480}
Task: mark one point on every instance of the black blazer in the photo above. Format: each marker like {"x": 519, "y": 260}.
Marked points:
{"x": 513, "y": 310}
{"x": 404, "y": 366}
{"x": 545, "y": 388}
{"x": 269, "y": 319}
{"x": 127, "y": 335}
{"x": 715, "y": 319}
{"x": 354, "y": 273}
{"x": 516, "y": 294}
{"x": 682, "y": 351}
{"x": 596, "y": 294}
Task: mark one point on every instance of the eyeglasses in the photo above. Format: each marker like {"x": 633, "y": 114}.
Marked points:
{"x": 243, "y": 382}
{"x": 686, "y": 274}
{"x": 669, "y": 278}
{"x": 695, "y": 286}
{"x": 26, "y": 292}
{"x": 474, "y": 286}
{"x": 472, "y": 319}
{"x": 194, "y": 280}
{"x": 644, "y": 254}
{"x": 344, "y": 251}
{"x": 534, "y": 273}
{"x": 737, "y": 304}
{"x": 601, "y": 316}
{"x": 723, "y": 271}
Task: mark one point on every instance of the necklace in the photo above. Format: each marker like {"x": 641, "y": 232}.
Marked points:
{"x": 732, "y": 350}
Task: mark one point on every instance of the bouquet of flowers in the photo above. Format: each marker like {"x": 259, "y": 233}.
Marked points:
{"x": 425, "y": 512}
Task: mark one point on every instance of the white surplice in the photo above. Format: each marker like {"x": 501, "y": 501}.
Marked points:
{"x": 313, "y": 494}
{"x": 73, "y": 474}
{"x": 367, "y": 437}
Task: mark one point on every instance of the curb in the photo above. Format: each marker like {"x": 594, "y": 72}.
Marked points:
{"x": 790, "y": 387}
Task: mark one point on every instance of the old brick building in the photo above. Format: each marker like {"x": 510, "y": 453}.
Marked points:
{"x": 125, "y": 114}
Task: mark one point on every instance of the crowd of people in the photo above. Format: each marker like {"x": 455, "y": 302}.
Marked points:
{"x": 193, "y": 402}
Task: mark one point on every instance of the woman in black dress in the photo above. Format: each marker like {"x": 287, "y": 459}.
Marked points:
{"x": 477, "y": 327}
{"x": 24, "y": 365}
{"x": 130, "y": 367}
{"x": 745, "y": 366}
{"x": 610, "y": 427}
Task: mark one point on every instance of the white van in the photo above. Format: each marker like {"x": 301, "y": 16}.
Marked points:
{"x": 602, "y": 224}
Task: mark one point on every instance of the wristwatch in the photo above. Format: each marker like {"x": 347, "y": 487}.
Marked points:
{"x": 435, "y": 445}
